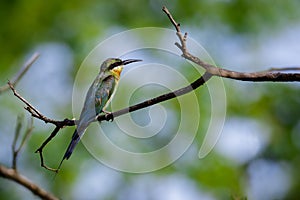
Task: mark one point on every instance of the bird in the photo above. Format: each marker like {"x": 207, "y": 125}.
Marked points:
{"x": 97, "y": 98}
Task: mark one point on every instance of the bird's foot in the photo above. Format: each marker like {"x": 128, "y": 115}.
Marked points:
{"x": 108, "y": 115}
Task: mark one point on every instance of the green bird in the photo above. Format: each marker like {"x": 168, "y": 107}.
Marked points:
{"x": 97, "y": 98}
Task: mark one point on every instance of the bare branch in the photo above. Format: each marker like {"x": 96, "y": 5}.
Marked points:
{"x": 14, "y": 144}
{"x": 175, "y": 24}
{"x": 40, "y": 149}
{"x": 199, "y": 82}
{"x": 27, "y": 133}
{"x": 21, "y": 72}
{"x": 37, "y": 114}
{"x": 182, "y": 38}
{"x": 22, "y": 180}
{"x": 242, "y": 76}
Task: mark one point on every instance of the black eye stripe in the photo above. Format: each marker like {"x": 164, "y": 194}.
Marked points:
{"x": 115, "y": 64}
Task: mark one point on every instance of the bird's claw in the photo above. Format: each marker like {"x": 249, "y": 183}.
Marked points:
{"x": 108, "y": 115}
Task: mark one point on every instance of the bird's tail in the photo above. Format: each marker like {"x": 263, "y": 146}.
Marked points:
{"x": 70, "y": 149}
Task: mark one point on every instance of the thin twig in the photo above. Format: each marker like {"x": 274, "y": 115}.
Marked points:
{"x": 14, "y": 144}
{"x": 33, "y": 110}
{"x": 27, "y": 133}
{"x": 21, "y": 72}
{"x": 40, "y": 149}
{"x": 37, "y": 114}
{"x": 175, "y": 24}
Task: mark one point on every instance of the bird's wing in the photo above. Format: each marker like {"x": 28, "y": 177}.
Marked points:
{"x": 104, "y": 92}
{"x": 88, "y": 111}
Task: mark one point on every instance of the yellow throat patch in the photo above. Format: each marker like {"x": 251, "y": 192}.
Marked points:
{"x": 116, "y": 71}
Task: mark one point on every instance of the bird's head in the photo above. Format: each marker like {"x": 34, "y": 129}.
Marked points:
{"x": 115, "y": 65}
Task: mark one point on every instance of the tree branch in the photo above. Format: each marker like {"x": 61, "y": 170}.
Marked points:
{"x": 21, "y": 72}
{"x": 13, "y": 175}
{"x": 37, "y": 114}
{"x": 199, "y": 82}
{"x": 242, "y": 76}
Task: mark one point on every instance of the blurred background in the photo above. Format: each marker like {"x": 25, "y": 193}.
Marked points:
{"x": 257, "y": 154}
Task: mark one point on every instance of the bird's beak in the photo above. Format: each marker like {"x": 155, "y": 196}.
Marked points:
{"x": 126, "y": 62}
